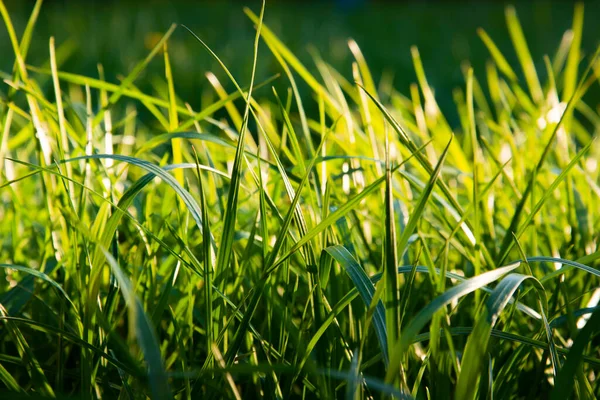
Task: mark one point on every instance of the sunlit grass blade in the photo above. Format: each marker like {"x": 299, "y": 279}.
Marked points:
{"x": 366, "y": 290}
{"x": 518, "y": 39}
{"x": 26, "y": 40}
{"x": 423, "y": 161}
{"x": 513, "y": 228}
{"x": 477, "y": 344}
{"x": 135, "y": 72}
{"x": 499, "y": 59}
{"x": 278, "y": 47}
{"x": 9, "y": 381}
{"x": 173, "y": 115}
{"x": 391, "y": 293}
{"x": 421, "y": 319}
{"x": 573, "y": 59}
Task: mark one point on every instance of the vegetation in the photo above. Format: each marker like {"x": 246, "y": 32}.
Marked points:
{"x": 347, "y": 244}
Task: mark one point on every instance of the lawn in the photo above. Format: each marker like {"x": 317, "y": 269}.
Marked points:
{"x": 244, "y": 206}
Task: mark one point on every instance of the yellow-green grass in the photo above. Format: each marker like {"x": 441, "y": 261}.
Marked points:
{"x": 257, "y": 248}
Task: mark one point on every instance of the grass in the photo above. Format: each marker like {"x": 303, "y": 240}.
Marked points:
{"x": 351, "y": 243}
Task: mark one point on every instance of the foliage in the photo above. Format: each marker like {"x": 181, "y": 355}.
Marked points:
{"x": 255, "y": 248}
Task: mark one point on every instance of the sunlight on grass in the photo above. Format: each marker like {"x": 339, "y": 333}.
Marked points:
{"x": 340, "y": 244}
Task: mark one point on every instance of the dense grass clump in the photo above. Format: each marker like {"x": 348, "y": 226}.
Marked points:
{"x": 256, "y": 248}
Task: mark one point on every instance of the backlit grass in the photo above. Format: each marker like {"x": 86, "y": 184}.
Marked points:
{"x": 256, "y": 248}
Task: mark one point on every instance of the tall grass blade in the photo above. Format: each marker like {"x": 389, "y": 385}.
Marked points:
{"x": 564, "y": 382}
{"x": 366, "y": 290}
{"x": 421, "y": 319}
{"x": 518, "y": 39}
{"x": 477, "y": 344}
{"x": 145, "y": 335}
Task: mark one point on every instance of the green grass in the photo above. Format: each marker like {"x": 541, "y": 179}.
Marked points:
{"x": 349, "y": 243}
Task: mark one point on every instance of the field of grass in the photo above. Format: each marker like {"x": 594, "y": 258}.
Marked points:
{"x": 300, "y": 234}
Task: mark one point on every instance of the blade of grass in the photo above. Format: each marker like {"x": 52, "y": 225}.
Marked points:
{"x": 391, "y": 293}
{"x": 477, "y": 343}
{"x": 518, "y": 39}
{"x": 144, "y": 332}
{"x": 135, "y": 72}
{"x": 38, "y": 378}
{"x": 515, "y": 338}
{"x": 497, "y": 55}
{"x": 38, "y": 274}
{"x": 366, "y": 290}
{"x": 570, "y": 74}
{"x": 211, "y": 328}
{"x": 421, "y": 319}
{"x": 507, "y": 242}
{"x": 278, "y": 47}
{"x": 566, "y": 376}
{"x": 173, "y": 119}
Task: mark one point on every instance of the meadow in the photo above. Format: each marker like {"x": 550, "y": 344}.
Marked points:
{"x": 299, "y": 229}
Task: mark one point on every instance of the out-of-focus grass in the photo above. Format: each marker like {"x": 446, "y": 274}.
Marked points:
{"x": 117, "y": 34}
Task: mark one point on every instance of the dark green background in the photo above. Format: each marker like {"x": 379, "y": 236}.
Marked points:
{"x": 114, "y": 34}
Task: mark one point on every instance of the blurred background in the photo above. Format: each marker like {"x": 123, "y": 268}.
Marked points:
{"x": 117, "y": 34}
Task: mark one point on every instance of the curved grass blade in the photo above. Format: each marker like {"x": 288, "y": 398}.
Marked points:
{"x": 569, "y": 265}
{"x": 463, "y": 331}
{"x": 407, "y": 269}
{"x": 421, "y": 319}
{"x": 159, "y": 383}
{"x": 38, "y": 378}
{"x": 477, "y": 343}
{"x": 42, "y": 276}
{"x": 366, "y": 290}
{"x": 186, "y": 197}
{"x": 132, "y": 370}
